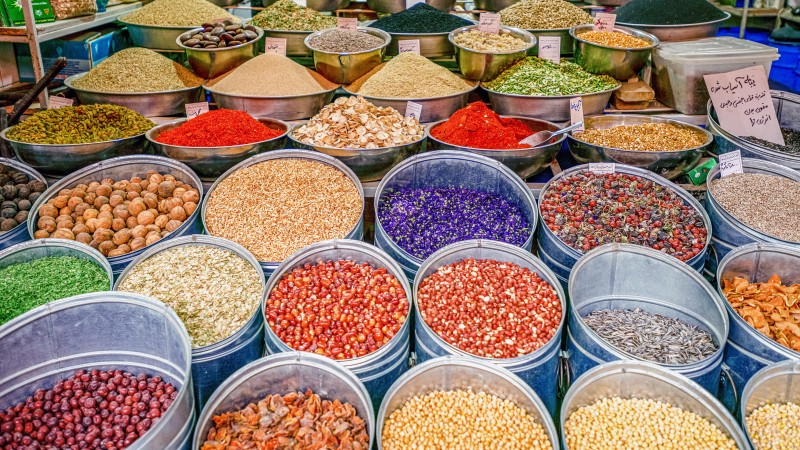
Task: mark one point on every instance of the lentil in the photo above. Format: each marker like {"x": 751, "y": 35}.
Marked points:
{"x": 339, "y": 309}
{"x": 652, "y": 337}
{"x": 477, "y": 126}
{"x": 770, "y": 308}
{"x": 641, "y": 423}
{"x": 544, "y": 15}
{"x": 268, "y": 75}
{"x": 420, "y": 19}
{"x": 214, "y": 291}
{"x": 790, "y": 137}
{"x": 540, "y": 77}
{"x": 178, "y": 13}
{"x": 774, "y": 426}
{"x": 18, "y": 192}
{"x": 457, "y": 419}
{"x": 55, "y": 277}
{"x": 424, "y": 220}
{"x": 675, "y": 12}
{"x": 219, "y": 128}
{"x": 277, "y": 207}
{"x": 489, "y": 308}
{"x": 614, "y": 39}
{"x": 296, "y": 420}
{"x": 219, "y": 35}
{"x": 410, "y": 76}
{"x": 646, "y": 137}
{"x": 586, "y": 210}
{"x": 766, "y": 203}
{"x": 80, "y": 125}
{"x": 288, "y": 15}
{"x": 345, "y": 41}
{"x": 90, "y": 409}
{"x": 482, "y": 41}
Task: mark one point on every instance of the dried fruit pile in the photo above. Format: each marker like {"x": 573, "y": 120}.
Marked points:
{"x": 18, "y": 192}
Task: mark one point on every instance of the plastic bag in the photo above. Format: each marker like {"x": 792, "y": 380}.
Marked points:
{"x": 64, "y": 9}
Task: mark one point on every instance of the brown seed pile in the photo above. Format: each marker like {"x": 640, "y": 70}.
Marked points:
{"x": 409, "y": 75}
{"x": 178, "y": 13}
{"x": 345, "y": 41}
{"x": 137, "y": 70}
{"x": 544, "y": 14}
{"x": 481, "y": 41}
{"x": 277, "y": 207}
{"x": 646, "y": 137}
{"x": 268, "y": 75}
{"x": 614, "y": 39}
{"x": 774, "y": 426}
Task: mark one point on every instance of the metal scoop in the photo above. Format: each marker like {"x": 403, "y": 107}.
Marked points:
{"x": 537, "y": 139}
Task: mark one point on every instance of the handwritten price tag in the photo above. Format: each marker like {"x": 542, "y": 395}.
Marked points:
{"x": 347, "y": 23}
{"x": 604, "y": 22}
{"x": 408, "y": 46}
{"x": 413, "y": 110}
{"x": 744, "y": 104}
{"x": 195, "y": 109}
{"x": 576, "y": 112}
{"x": 601, "y": 168}
{"x": 275, "y": 45}
{"x": 56, "y": 102}
{"x": 730, "y": 163}
{"x": 489, "y": 23}
{"x": 550, "y": 48}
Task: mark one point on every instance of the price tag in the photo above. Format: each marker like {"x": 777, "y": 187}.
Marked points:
{"x": 744, "y": 104}
{"x": 604, "y": 22}
{"x": 489, "y": 23}
{"x": 601, "y": 168}
{"x": 576, "y": 112}
{"x": 195, "y": 109}
{"x": 408, "y": 46}
{"x": 302, "y": 3}
{"x": 413, "y": 110}
{"x": 347, "y": 23}
{"x": 275, "y": 45}
{"x": 410, "y": 3}
{"x": 550, "y": 48}
{"x": 730, "y": 163}
{"x": 56, "y": 102}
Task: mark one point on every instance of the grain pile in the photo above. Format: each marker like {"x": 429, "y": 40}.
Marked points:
{"x": 269, "y": 75}
{"x": 411, "y": 76}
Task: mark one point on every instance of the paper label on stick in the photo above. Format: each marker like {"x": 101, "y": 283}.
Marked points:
{"x": 56, "y": 102}
{"x": 195, "y": 109}
{"x": 408, "y": 46}
{"x": 576, "y": 112}
{"x": 347, "y": 23}
{"x": 744, "y": 104}
{"x": 604, "y": 22}
{"x": 601, "y": 168}
{"x": 730, "y": 163}
{"x": 410, "y": 3}
{"x": 275, "y": 45}
{"x": 413, "y": 110}
{"x": 489, "y": 23}
{"x": 550, "y": 48}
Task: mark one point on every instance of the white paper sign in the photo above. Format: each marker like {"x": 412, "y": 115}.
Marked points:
{"x": 56, "y": 102}
{"x": 601, "y": 168}
{"x": 730, "y": 163}
{"x": 413, "y": 110}
{"x": 604, "y": 22}
{"x": 195, "y": 109}
{"x": 744, "y": 104}
{"x": 550, "y": 48}
{"x": 347, "y": 23}
{"x": 275, "y": 45}
{"x": 576, "y": 112}
{"x": 408, "y": 46}
{"x": 410, "y": 3}
{"x": 489, "y": 23}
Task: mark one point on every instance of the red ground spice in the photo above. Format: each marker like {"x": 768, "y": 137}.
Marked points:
{"x": 219, "y": 128}
{"x": 477, "y": 126}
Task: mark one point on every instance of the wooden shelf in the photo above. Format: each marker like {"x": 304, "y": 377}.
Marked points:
{"x": 61, "y": 28}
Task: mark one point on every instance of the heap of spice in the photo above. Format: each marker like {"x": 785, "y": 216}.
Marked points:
{"x": 288, "y": 15}
{"x": 544, "y": 15}
{"x": 771, "y": 308}
{"x": 791, "y": 139}
{"x": 477, "y": 126}
{"x": 277, "y": 207}
{"x": 646, "y": 137}
{"x": 420, "y": 19}
{"x": 18, "y": 192}
{"x": 345, "y": 41}
{"x": 540, "y": 77}
{"x": 268, "y": 75}
{"x": 219, "y": 35}
{"x": 410, "y": 76}
{"x": 118, "y": 217}
{"x": 214, "y": 291}
{"x": 352, "y": 122}
{"x": 586, "y": 210}
{"x": 674, "y": 12}
{"x": 424, "y": 220}
{"x": 80, "y": 125}
{"x": 339, "y": 309}
{"x": 219, "y": 128}
{"x": 178, "y": 13}
{"x": 137, "y": 70}
{"x": 55, "y": 277}
{"x": 482, "y": 41}
{"x": 614, "y": 39}
{"x": 774, "y": 426}
{"x": 295, "y": 420}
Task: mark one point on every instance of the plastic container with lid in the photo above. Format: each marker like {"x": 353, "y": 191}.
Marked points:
{"x": 679, "y": 68}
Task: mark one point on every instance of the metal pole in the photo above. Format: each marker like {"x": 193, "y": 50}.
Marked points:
{"x": 33, "y": 44}
{"x": 743, "y": 23}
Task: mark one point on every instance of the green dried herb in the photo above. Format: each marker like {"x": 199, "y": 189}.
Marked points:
{"x": 80, "y": 125}
{"x": 536, "y": 76}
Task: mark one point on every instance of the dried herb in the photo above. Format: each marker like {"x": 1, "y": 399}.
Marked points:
{"x": 288, "y": 15}
{"x": 80, "y": 125}
{"x": 536, "y": 76}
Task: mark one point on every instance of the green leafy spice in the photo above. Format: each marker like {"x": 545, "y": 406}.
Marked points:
{"x": 536, "y": 76}
{"x": 27, "y": 285}
{"x": 80, "y": 125}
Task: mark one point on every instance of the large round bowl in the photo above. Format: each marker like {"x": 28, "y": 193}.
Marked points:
{"x": 668, "y": 163}
{"x": 494, "y": 5}
{"x": 295, "y": 42}
{"x": 776, "y": 384}
{"x": 20, "y": 232}
{"x": 155, "y": 37}
{"x": 617, "y": 62}
{"x": 525, "y": 162}
{"x": 485, "y": 66}
{"x": 148, "y": 104}
{"x": 344, "y": 68}
{"x": 567, "y": 41}
{"x": 682, "y": 32}
{"x": 211, "y": 162}
{"x": 554, "y": 109}
{"x": 318, "y": 5}
{"x": 431, "y": 45}
{"x": 396, "y": 6}
{"x": 213, "y": 62}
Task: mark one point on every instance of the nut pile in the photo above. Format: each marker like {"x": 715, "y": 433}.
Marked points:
{"x": 460, "y": 419}
{"x": 482, "y": 41}
{"x": 774, "y": 426}
{"x": 118, "y": 217}
{"x": 339, "y": 309}
{"x": 293, "y": 421}
{"x": 345, "y": 41}
{"x": 353, "y": 122}
{"x": 219, "y": 35}
{"x": 614, "y": 39}
{"x": 489, "y": 308}
{"x": 771, "y": 308}
{"x": 18, "y": 192}
{"x": 646, "y": 137}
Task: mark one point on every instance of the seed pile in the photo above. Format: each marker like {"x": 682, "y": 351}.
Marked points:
{"x": 766, "y": 203}
{"x": 675, "y": 12}
{"x": 544, "y": 15}
{"x": 137, "y": 70}
{"x": 790, "y": 137}
{"x": 489, "y": 308}
{"x": 540, "y": 77}
{"x": 339, "y": 309}
{"x": 268, "y": 75}
{"x": 586, "y": 210}
{"x": 614, "y": 39}
{"x": 477, "y": 126}
{"x": 178, "y": 13}
{"x": 90, "y": 409}
{"x": 412, "y": 76}
{"x": 18, "y": 192}
{"x": 482, "y": 41}
{"x": 293, "y": 421}
{"x": 774, "y": 426}
{"x": 353, "y": 122}
{"x": 277, "y": 207}
{"x": 642, "y": 423}
{"x": 654, "y": 137}
{"x": 288, "y": 15}
{"x": 652, "y": 337}
{"x": 219, "y": 35}
{"x": 345, "y": 41}
{"x": 771, "y": 308}
{"x": 420, "y": 18}
{"x": 219, "y": 128}
{"x": 80, "y": 125}
{"x": 460, "y": 419}
{"x": 213, "y": 290}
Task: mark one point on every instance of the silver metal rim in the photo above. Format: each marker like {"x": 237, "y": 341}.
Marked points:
{"x": 588, "y": 123}
{"x": 8, "y": 139}
{"x": 789, "y": 369}
{"x": 68, "y": 81}
{"x": 518, "y": 32}
{"x": 624, "y": 30}
{"x": 685, "y": 25}
{"x": 294, "y": 127}
{"x": 265, "y": 97}
{"x": 157, "y": 27}
{"x": 389, "y": 99}
{"x": 259, "y": 36}
{"x": 547, "y": 97}
{"x": 158, "y": 128}
{"x": 429, "y": 128}
{"x": 387, "y": 39}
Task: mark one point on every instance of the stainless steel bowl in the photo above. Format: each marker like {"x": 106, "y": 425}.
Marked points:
{"x": 344, "y": 68}
{"x": 485, "y": 66}
{"x": 368, "y": 164}
{"x": 525, "y": 162}
{"x": 607, "y": 2}
{"x": 295, "y": 42}
{"x": 554, "y": 109}
{"x": 148, "y": 104}
{"x": 223, "y": 3}
{"x": 154, "y": 37}
{"x": 211, "y": 162}
{"x": 679, "y": 33}
{"x": 319, "y": 5}
{"x": 431, "y": 45}
{"x": 567, "y": 41}
{"x": 668, "y": 163}
{"x": 213, "y": 62}
{"x": 617, "y": 62}
{"x": 396, "y": 6}
{"x": 494, "y": 5}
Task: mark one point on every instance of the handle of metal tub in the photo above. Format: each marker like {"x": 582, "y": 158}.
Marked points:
{"x": 725, "y": 374}
{"x": 564, "y": 375}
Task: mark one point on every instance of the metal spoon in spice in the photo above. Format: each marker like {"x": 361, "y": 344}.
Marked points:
{"x": 538, "y": 138}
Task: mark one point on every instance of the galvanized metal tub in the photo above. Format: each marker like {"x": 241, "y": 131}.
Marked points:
{"x": 282, "y": 374}
{"x": 126, "y": 167}
{"x": 83, "y": 332}
{"x": 618, "y": 276}
{"x": 778, "y": 383}
{"x": 451, "y": 169}
{"x": 618, "y": 62}
{"x": 484, "y": 65}
{"x": 554, "y": 109}
{"x": 212, "y": 364}
{"x": 20, "y": 232}
{"x": 452, "y": 373}
{"x": 537, "y": 369}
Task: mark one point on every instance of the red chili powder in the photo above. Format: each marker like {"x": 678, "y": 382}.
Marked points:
{"x": 477, "y": 126}
{"x": 218, "y": 128}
